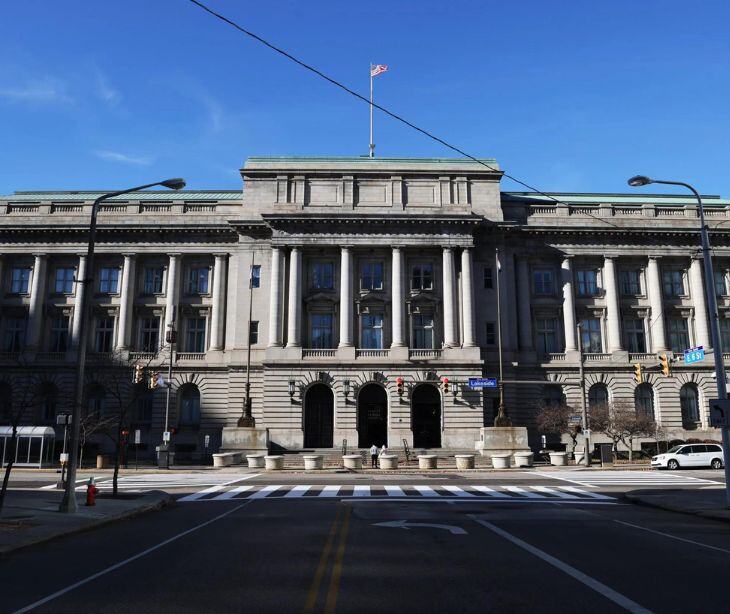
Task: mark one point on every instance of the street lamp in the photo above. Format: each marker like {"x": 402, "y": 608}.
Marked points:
{"x": 641, "y": 180}
{"x": 68, "y": 503}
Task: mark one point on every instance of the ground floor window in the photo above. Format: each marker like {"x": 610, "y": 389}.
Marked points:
{"x": 689, "y": 401}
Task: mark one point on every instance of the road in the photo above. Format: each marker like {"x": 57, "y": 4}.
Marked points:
{"x": 506, "y": 542}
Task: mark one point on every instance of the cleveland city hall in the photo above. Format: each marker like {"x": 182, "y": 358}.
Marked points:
{"x": 347, "y": 289}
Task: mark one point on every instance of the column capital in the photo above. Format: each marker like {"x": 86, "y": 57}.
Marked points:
{"x": 174, "y": 255}
{"x": 653, "y": 256}
{"x": 39, "y": 255}
{"x": 221, "y": 254}
{"x": 129, "y": 255}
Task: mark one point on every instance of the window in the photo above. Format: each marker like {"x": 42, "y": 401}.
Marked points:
{"x": 644, "y": 400}
{"x": 145, "y": 403}
{"x": 59, "y": 334}
{"x": 96, "y": 400}
{"x": 153, "y": 277}
{"x": 150, "y": 341}
{"x": 372, "y": 331}
{"x": 673, "y": 283}
{"x": 321, "y": 336}
{"x": 372, "y": 276}
{"x": 104, "y": 334}
{"x": 14, "y": 334}
{"x": 553, "y": 396}
{"x": 64, "y": 280}
{"x": 253, "y": 333}
{"x": 49, "y": 401}
{"x": 689, "y": 400}
{"x": 491, "y": 337}
{"x": 678, "y": 335}
{"x": 422, "y": 277}
{"x": 587, "y": 282}
{"x": 590, "y": 335}
{"x": 635, "y": 335}
{"x": 542, "y": 282}
{"x": 720, "y": 285}
{"x": 488, "y": 280}
{"x": 323, "y": 276}
{"x": 195, "y": 341}
{"x": 190, "y": 406}
{"x": 725, "y": 333}
{"x": 255, "y": 275}
{"x": 630, "y": 281}
{"x": 597, "y": 396}
{"x": 109, "y": 280}
{"x": 547, "y": 337}
{"x": 20, "y": 279}
{"x": 197, "y": 281}
{"x": 422, "y": 331}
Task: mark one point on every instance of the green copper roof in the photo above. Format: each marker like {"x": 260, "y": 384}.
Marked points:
{"x": 151, "y": 195}
{"x": 634, "y": 198}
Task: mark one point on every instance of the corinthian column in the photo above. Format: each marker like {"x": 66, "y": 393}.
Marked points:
{"x": 398, "y": 299}
{"x": 613, "y": 321}
{"x": 126, "y": 301}
{"x": 275, "y": 298}
{"x": 78, "y": 300}
{"x": 697, "y": 289}
{"x": 218, "y": 308}
{"x": 172, "y": 293}
{"x": 467, "y": 299}
{"x": 345, "y": 297}
{"x": 654, "y": 283}
{"x": 37, "y": 296}
{"x": 449, "y": 295}
{"x": 294, "y": 329}
{"x": 566, "y": 272}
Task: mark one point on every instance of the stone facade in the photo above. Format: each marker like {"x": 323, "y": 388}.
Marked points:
{"x": 374, "y": 279}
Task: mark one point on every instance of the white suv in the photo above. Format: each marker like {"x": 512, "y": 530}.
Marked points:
{"x": 690, "y": 455}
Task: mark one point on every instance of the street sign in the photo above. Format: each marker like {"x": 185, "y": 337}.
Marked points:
{"x": 720, "y": 412}
{"x": 477, "y": 383}
{"x": 137, "y": 437}
{"x": 207, "y": 441}
{"x": 63, "y": 419}
{"x": 166, "y": 436}
{"x": 575, "y": 419}
{"x": 694, "y": 355}
{"x": 64, "y": 457}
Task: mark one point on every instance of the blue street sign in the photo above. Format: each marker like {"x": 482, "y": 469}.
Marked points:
{"x": 694, "y": 355}
{"x": 477, "y": 383}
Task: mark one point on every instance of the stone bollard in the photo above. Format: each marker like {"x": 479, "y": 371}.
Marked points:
{"x": 222, "y": 460}
{"x": 101, "y": 461}
{"x": 464, "y": 461}
{"x": 352, "y": 461}
{"x": 388, "y": 461}
{"x": 523, "y": 459}
{"x": 427, "y": 461}
{"x": 501, "y": 460}
{"x": 559, "y": 459}
{"x": 255, "y": 460}
{"x": 313, "y": 461}
{"x": 274, "y": 463}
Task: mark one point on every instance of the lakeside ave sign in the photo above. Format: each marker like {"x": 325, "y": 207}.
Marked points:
{"x": 478, "y": 383}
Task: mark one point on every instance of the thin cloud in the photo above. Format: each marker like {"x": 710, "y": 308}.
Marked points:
{"x": 42, "y": 91}
{"x": 105, "y": 91}
{"x": 115, "y": 156}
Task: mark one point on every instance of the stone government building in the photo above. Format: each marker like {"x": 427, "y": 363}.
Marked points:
{"x": 366, "y": 271}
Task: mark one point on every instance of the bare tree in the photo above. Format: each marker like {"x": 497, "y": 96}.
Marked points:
{"x": 622, "y": 423}
{"x": 554, "y": 419}
{"x": 602, "y": 421}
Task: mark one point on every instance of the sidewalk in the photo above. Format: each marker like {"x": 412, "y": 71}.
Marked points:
{"x": 32, "y": 517}
{"x": 705, "y": 502}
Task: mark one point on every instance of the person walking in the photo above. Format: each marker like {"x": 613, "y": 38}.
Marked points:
{"x": 374, "y": 456}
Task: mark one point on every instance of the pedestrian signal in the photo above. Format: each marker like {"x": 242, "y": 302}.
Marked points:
{"x": 138, "y": 374}
{"x": 665, "y": 363}
{"x": 399, "y": 385}
{"x": 638, "y": 375}
{"x": 445, "y": 384}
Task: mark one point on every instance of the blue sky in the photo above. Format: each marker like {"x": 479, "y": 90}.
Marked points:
{"x": 568, "y": 96}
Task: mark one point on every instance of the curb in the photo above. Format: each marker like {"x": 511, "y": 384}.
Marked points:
{"x": 710, "y": 515}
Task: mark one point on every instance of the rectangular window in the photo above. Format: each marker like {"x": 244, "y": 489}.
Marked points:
{"x": 253, "y": 333}
{"x": 323, "y": 276}
{"x": 109, "y": 280}
{"x": 104, "y": 334}
{"x": 491, "y": 337}
{"x": 59, "y": 334}
{"x": 678, "y": 334}
{"x": 587, "y": 282}
{"x": 20, "y": 280}
{"x": 590, "y": 335}
{"x": 422, "y": 331}
{"x": 14, "y": 334}
{"x": 488, "y": 279}
{"x": 422, "y": 277}
{"x": 635, "y": 335}
{"x": 673, "y": 283}
{"x": 725, "y": 333}
{"x": 195, "y": 341}
{"x": 372, "y": 276}
{"x": 150, "y": 337}
{"x": 720, "y": 285}
{"x": 256, "y": 276}
{"x": 542, "y": 282}
{"x": 372, "y": 331}
{"x": 64, "y": 280}
{"x": 630, "y": 282}
{"x": 197, "y": 282}
{"x": 321, "y": 330}
{"x": 153, "y": 277}
{"x": 547, "y": 335}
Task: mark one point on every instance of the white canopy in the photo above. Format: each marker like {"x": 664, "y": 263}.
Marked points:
{"x": 28, "y": 431}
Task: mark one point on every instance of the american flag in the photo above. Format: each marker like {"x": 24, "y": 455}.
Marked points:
{"x": 376, "y": 69}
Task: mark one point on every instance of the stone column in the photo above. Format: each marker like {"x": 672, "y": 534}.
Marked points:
{"x": 697, "y": 289}
{"x": 126, "y": 303}
{"x": 566, "y": 273}
{"x": 613, "y": 314}
{"x": 172, "y": 294}
{"x": 275, "y": 298}
{"x": 345, "y": 297}
{"x": 449, "y": 302}
{"x": 523, "y": 303}
{"x": 467, "y": 299}
{"x": 37, "y": 295}
{"x": 294, "y": 330}
{"x": 656, "y": 321}
{"x": 218, "y": 308}
{"x": 398, "y": 299}
{"x": 80, "y": 289}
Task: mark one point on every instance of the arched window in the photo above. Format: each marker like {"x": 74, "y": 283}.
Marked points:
{"x": 598, "y": 396}
{"x": 644, "y": 399}
{"x": 48, "y": 403}
{"x": 96, "y": 400}
{"x": 6, "y": 402}
{"x": 553, "y": 395}
{"x": 689, "y": 399}
{"x": 189, "y": 405}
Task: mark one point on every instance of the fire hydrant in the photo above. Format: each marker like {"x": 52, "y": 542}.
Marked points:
{"x": 91, "y": 491}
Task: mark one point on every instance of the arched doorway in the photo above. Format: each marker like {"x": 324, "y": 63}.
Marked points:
{"x": 426, "y": 417}
{"x": 372, "y": 416}
{"x": 319, "y": 410}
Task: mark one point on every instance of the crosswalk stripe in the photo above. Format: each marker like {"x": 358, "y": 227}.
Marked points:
{"x": 586, "y": 493}
{"x": 491, "y": 492}
{"x": 427, "y": 491}
{"x": 297, "y": 491}
{"x": 554, "y": 492}
{"x": 361, "y": 491}
{"x": 524, "y": 493}
{"x": 459, "y": 492}
{"x": 395, "y": 491}
{"x": 230, "y": 494}
{"x": 330, "y": 491}
{"x": 265, "y": 491}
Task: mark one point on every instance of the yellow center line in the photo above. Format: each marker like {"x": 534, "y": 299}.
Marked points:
{"x": 331, "y": 601}
{"x": 314, "y": 589}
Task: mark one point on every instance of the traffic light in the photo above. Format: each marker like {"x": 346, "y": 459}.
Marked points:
{"x": 154, "y": 381}
{"x": 138, "y": 376}
{"x": 638, "y": 376}
{"x": 665, "y": 363}
{"x": 399, "y": 385}
{"x": 445, "y": 384}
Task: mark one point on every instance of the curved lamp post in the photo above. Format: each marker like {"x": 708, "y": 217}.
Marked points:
{"x": 641, "y": 180}
{"x": 68, "y": 503}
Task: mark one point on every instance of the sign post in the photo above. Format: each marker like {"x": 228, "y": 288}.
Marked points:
{"x": 137, "y": 441}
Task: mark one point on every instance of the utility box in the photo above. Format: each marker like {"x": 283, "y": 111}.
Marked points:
{"x": 605, "y": 451}
{"x": 165, "y": 456}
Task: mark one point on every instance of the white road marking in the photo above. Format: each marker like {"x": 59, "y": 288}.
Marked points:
{"x": 426, "y": 491}
{"x": 216, "y": 488}
{"x": 592, "y": 583}
{"x": 681, "y": 539}
{"x": 554, "y": 492}
{"x": 230, "y": 494}
{"x": 491, "y": 492}
{"x": 264, "y": 492}
{"x": 361, "y": 491}
{"x": 297, "y": 491}
{"x": 524, "y": 493}
{"x": 330, "y": 491}
{"x": 459, "y": 492}
{"x": 555, "y": 477}
{"x": 395, "y": 491}
{"x": 593, "y": 495}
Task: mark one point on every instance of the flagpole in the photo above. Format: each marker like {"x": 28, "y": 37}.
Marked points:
{"x": 501, "y": 419}
{"x": 372, "y": 145}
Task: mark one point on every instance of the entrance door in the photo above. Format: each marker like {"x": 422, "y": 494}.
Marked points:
{"x": 372, "y": 416}
{"x": 426, "y": 417}
{"x": 319, "y": 409}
